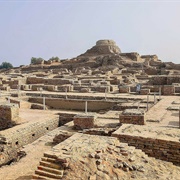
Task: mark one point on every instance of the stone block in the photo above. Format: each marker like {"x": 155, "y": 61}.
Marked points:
{"x": 168, "y": 90}
{"x": 144, "y": 91}
{"x": 124, "y": 89}
{"x": 8, "y": 115}
{"x": 85, "y": 121}
{"x": 132, "y": 116}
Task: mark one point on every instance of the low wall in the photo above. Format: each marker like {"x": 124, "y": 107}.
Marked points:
{"x": 131, "y": 119}
{"x": 74, "y": 104}
{"x": 168, "y": 90}
{"x": 14, "y": 138}
{"x": 9, "y": 113}
{"x": 163, "y": 149}
{"x": 65, "y": 118}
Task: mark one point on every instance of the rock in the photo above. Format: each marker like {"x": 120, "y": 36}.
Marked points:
{"x": 132, "y": 159}
{"x": 101, "y": 175}
{"x": 65, "y": 165}
{"x": 92, "y": 177}
{"x": 100, "y": 167}
{"x": 119, "y": 160}
{"x": 141, "y": 170}
{"x": 133, "y": 176}
{"x": 115, "y": 166}
{"x": 97, "y": 156}
{"x": 125, "y": 169}
{"x": 62, "y": 160}
{"x": 124, "y": 153}
{"x": 98, "y": 162}
{"x": 134, "y": 167}
{"x": 92, "y": 155}
{"x": 98, "y": 151}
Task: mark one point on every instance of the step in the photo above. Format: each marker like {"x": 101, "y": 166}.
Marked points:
{"x": 51, "y": 170}
{"x": 48, "y": 159}
{"x": 47, "y": 174}
{"x": 50, "y": 155}
{"x": 50, "y": 165}
{"x": 36, "y": 176}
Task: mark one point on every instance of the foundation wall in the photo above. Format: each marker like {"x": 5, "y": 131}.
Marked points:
{"x": 158, "y": 148}
{"x": 131, "y": 119}
{"x": 12, "y": 139}
{"x": 74, "y": 104}
{"x": 8, "y": 115}
{"x": 168, "y": 90}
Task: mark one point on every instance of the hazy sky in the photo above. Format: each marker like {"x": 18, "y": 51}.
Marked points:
{"x": 39, "y": 28}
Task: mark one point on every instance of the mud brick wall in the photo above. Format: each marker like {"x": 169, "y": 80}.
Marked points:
{"x": 124, "y": 89}
{"x": 84, "y": 121}
{"x": 12, "y": 139}
{"x": 65, "y": 118}
{"x": 144, "y": 91}
{"x": 168, "y": 90}
{"x": 57, "y": 81}
{"x": 8, "y": 115}
{"x": 101, "y": 89}
{"x": 164, "y": 80}
{"x": 159, "y": 80}
{"x": 50, "y": 87}
{"x": 177, "y": 89}
{"x": 35, "y": 87}
{"x": 74, "y": 104}
{"x": 5, "y": 88}
{"x": 132, "y": 119}
{"x": 174, "y": 79}
{"x": 152, "y": 88}
{"x": 158, "y": 148}
{"x": 25, "y": 87}
{"x": 35, "y": 80}
{"x": 64, "y": 88}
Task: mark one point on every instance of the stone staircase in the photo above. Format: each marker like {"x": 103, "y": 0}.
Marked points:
{"x": 48, "y": 168}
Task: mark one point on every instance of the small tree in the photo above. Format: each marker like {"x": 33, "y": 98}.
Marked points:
{"x": 36, "y": 60}
{"x": 6, "y": 65}
{"x": 56, "y": 59}
{"x": 33, "y": 60}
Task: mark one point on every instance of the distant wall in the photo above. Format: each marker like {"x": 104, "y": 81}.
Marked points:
{"x": 164, "y": 80}
{"x": 74, "y": 104}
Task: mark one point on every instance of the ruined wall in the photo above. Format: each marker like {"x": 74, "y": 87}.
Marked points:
{"x": 14, "y": 138}
{"x": 158, "y": 148}
{"x": 35, "y": 80}
{"x": 124, "y": 89}
{"x": 8, "y": 115}
{"x": 74, "y": 104}
{"x": 131, "y": 119}
{"x": 168, "y": 90}
{"x": 164, "y": 80}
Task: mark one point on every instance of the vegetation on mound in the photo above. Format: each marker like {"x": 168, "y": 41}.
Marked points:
{"x": 6, "y": 65}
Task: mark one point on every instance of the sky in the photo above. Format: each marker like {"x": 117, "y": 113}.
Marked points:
{"x": 42, "y": 28}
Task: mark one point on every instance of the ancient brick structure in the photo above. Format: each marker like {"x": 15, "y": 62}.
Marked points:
{"x": 168, "y": 90}
{"x": 132, "y": 116}
{"x": 161, "y": 148}
{"x": 85, "y": 121}
{"x": 9, "y": 113}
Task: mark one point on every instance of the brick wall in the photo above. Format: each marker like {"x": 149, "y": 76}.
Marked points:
{"x": 8, "y": 115}
{"x": 14, "y": 138}
{"x": 131, "y": 119}
{"x": 75, "y": 104}
{"x": 158, "y": 148}
{"x": 168, "y": 90}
